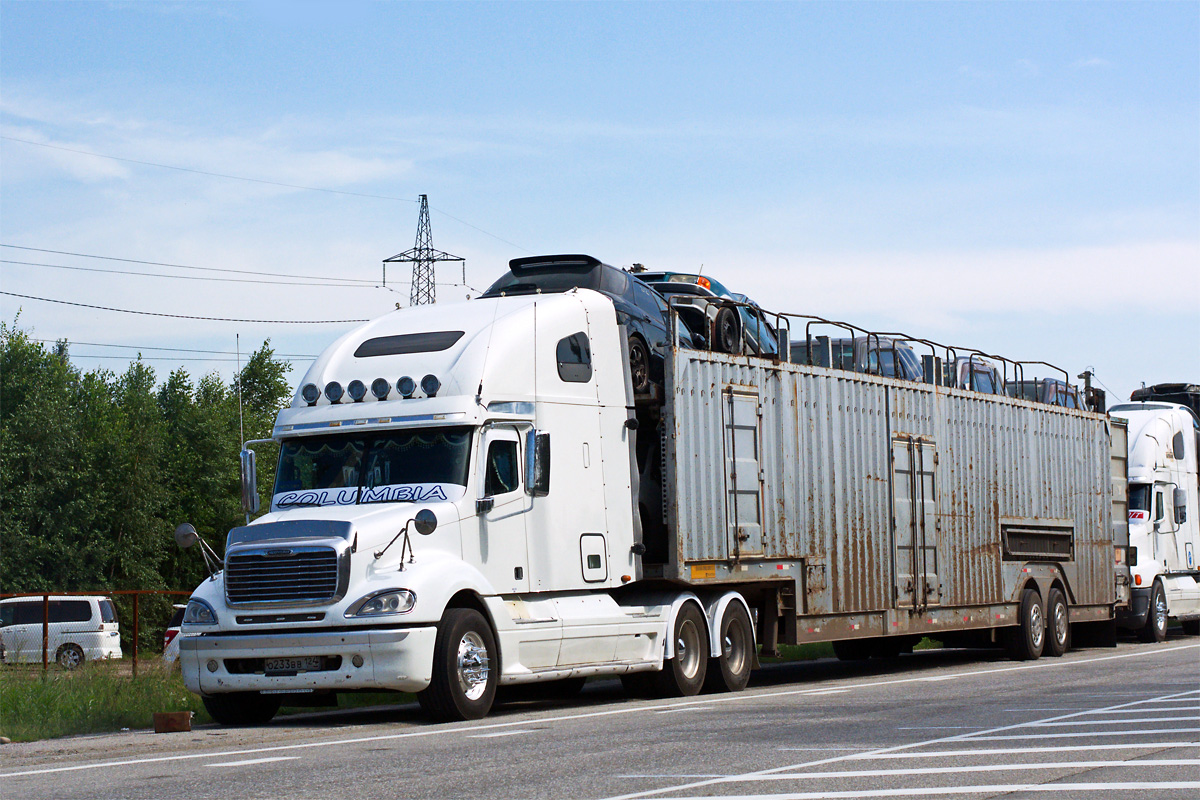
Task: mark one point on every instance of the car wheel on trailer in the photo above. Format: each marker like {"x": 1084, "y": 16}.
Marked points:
{"x": 1058, "y": 624}
{"x": 1026, "y": 641}
{"x": 1155, "y": 629}
{"x": 683, "y": 674}
{"x": 241, "y": 708}
{"x": 639, "y": 365}
{"x": 464, "y": 668}
{"x": 853, "y": 649}
{"x": 69, "y": 656}
{"x": 727, "y": 333}
{"x": 730, "y": 671}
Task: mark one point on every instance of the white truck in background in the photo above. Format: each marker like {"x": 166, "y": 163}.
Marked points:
{"x": 471, "y": 495}
{"x": 1164, "y": 516}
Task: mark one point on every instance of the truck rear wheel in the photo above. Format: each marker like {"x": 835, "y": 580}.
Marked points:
{"x": 683, "y": 674}
{"x": 730, "y": 671}
{"x": 464, "y": 668}
{"x": 1058, "y": 625}
{"x": 1155, "y": 629}
{"x": 1026, "y": 641}
{"x": 240, "y": 709}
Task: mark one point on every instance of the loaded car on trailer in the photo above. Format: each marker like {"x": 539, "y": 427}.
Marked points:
{"x": 477, "y": 522}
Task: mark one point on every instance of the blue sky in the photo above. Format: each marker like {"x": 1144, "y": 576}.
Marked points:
{"x": 1019, "y": 177}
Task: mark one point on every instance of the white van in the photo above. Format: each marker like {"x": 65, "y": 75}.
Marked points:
{"x": 81, "y": 628}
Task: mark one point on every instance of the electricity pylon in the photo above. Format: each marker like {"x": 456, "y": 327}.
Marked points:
{"x": 423, "y": 257}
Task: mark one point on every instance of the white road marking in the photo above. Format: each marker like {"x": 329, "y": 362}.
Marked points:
{"x": 499, "y": 733}
{"x": 678, "y": 710}
{"x": 1155, "y": 732}
{"x": 965, "y": 737}
{"x": 924, "y": 791}
{"x": 826, "y": 691}
{"x": 1158, "y": 710}
{"x": 871, "y": 773}
{"x": 740, "y": 697}
{"x": 942, "y": 728}
{"x": 1114, "y": 721}
{"x": 253, "y": 761}
{"x": 1007, "y": 750}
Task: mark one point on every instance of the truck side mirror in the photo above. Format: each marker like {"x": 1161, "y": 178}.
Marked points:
{"x": 186, "y": 536}
{"x": 249, "y": 482}
{"x": 1180, "y": 497}
{"x": 537, "y": 464}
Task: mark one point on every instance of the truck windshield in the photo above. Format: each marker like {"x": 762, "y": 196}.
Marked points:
{"x": 1139, "y": 497}
{"x": 391, "y": 466}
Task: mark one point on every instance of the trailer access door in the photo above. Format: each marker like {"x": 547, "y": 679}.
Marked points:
{"x": 914, "y": 523}
{"x": 743, "y": 475}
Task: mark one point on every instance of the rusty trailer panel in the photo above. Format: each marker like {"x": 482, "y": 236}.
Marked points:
{"x": 880, "y": 495}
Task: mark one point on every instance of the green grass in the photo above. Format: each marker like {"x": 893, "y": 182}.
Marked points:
{"x": 92, "y": 699}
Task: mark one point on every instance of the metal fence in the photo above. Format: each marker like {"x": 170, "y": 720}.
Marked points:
{"x": 70, "y": 628}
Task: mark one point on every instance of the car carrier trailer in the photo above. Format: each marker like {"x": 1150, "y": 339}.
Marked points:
{"x": 496, "y": 509}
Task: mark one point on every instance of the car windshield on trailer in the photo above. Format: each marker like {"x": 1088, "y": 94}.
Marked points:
{"x": 549, "y": 282}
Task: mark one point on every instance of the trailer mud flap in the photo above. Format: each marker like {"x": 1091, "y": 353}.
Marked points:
{"x": 914, "y": 523}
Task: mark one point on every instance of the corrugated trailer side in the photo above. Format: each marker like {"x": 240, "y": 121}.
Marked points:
{"x": 875, "y": 506}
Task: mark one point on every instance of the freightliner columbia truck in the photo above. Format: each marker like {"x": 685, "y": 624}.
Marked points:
{"x": 461, "y": 504}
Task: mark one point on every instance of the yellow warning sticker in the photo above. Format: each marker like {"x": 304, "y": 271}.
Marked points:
{"x": 703, "y": 571}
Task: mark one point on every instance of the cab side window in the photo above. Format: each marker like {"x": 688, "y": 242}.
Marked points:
{"x": 574, "y": 355}
{"x": 502, "y": 469}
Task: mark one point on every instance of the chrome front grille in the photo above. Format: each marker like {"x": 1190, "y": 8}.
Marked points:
{"x": 305, "y": 574}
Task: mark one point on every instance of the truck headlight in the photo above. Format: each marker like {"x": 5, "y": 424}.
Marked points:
{"x": 389, "y": 601}
{"x": 199, "y": 612}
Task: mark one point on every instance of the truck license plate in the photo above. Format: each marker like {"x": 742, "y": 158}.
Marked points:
{"x": 304, "y": 664}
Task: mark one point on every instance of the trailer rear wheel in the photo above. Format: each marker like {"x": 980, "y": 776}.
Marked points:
{"x": 1058, "y": 626}
{"x": 1026, "y": 641}
{"x": 730, "y": 671}
{"x": 683, "y": 674}
{"x": 1155, "y": 629}
{"x": 464, "y": 668}
{"x": 241, "y": 709}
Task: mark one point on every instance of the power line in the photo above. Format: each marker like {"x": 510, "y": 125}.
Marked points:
{"x": 189, "y": 316}
{"x": 72, "y": 342}
{"x": 258, "y": 180}
{"x": 185, "y": 277}
{"x": 185, "y": 266}
{"x": 141, "y": 357}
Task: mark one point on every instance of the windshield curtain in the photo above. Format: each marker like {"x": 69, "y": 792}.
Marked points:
{"x": 389, "y": 466}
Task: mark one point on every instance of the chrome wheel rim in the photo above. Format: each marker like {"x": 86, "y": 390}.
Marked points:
{"x": 1037, "y": 626}
{"x": 70, "y": 658}
{"x": 1060, "y": 623}
{"x": 473, "y": 665}
{"x": 1160, "y": 611}
{"x": 687, "y": 649}
{"x": 733, "y": 648}
{"x": 638, "y": 368}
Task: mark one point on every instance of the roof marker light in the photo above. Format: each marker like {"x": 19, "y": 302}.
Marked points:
{"x": 381, "y": 388}
{"x": 333, "y": 390}
{"x": 430, "y": 385}
{"x": 310, "y": 393}
{"x": 357, "y": 390}
{"x": 406, "y": 386}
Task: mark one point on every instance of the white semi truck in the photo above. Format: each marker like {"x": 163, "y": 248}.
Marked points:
{"x": 461, "y": 504}
{"x": 1164, "y": 517}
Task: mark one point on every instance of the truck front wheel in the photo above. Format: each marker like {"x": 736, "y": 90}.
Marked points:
{"x": 241, "y": 708}
{"x": 683, "y": 674}
{"x": 730, "y": 671}
{"x": 1155, "y": 629}
{"x": 464, "y": 668}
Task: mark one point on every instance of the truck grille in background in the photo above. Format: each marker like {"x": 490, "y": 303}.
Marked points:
{"x": 282, "y": 575}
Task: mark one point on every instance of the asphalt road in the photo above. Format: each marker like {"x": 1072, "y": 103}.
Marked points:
{"x": 1098, "y": 723}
